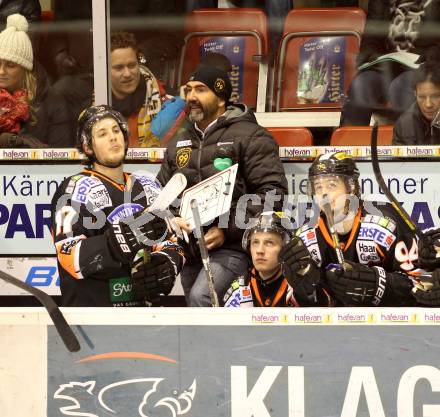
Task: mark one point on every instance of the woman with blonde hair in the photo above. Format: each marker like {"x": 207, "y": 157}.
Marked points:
{"x": 28, "y": 108}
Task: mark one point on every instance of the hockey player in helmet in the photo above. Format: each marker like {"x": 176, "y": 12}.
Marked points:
{"x": 379, "y": 251}
{"x": 264, "y": 284}
{"x": 95, "y": 126}
{"x": 98, "y": 237}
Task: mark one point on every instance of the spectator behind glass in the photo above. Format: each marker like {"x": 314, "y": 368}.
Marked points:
{"x": 30, "y": 9}
{"x": 392, "y": 25}
{"x": 172, "y": 116}
{"x": 69, "y": 56}
{"x": 415, "y": 126}
{"x": 136, "y": 92}
{"x": 28, "y": 108}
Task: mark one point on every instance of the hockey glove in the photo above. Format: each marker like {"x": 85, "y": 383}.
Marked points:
{"x": 299, "y": 269}
{"x": 429, "y": 251}
{"x": 360, "y": 285}
{"x": 427, "y": 291}
{"x": 155, "y": 278}
{"x": 130, "y": 235}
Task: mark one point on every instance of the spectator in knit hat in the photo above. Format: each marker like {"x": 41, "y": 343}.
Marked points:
{"x": 219, "y": 135}
{"x": 30, "y": 115}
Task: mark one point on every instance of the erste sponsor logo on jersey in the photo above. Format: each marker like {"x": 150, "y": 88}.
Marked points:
{"x": 151, "y": 187}
{"x": 308, "y": 236}
{"x": 375, "y": 232}
{"x": 147, "y": 180}
{"x": 82, "y": 188}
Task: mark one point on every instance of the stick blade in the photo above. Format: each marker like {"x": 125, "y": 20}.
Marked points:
{"x": 60, "y": 323}
{"x": 173, "y": 188}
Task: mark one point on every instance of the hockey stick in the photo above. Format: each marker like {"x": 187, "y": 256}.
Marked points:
{"x": 326, "y": 208}
{"x": 60, "y": 323}
{"x": 378, "y": 174}
{"x": 173, "y": 188}
{"x": 204, "y": 252}
{"x": 422, "y": 285}
{"x": 169, "y": 193}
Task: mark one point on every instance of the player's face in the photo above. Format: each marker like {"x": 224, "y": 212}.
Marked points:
{"x": 332, "y": 189}
{"x": 204, "y": 105}
{"x": 108, "y": 143}
{"x": 125, "y": 72}
{"x": 265, "y": 247}
{"x": 428, "y": 99}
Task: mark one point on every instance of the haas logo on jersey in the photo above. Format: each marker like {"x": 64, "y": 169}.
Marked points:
{"x": 406, "y": 257}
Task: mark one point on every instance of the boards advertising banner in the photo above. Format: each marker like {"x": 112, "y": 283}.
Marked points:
{"x": 26, "y": 197}
{"x": 264, "y": 362}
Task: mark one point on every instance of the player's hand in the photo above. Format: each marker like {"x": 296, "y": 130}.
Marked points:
{"x": 182, "y": 224}
{"x": 429, "y": 250}
{"x": 155, "y": 278}
{"x": 356, "y": 285}
{"x": 427, "y": 291}
{"x": 214, "y": 238}
{"x": 140, "y": 231}
{"x": 299, "y": 269}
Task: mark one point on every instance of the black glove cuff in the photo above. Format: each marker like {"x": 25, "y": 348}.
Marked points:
{"x": 119, "y": 246}
{"x": 381, "y": 282}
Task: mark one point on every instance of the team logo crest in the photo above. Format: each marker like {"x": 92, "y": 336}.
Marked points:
{"x": 182, "y": 157}
{"x": 321, "y": 167}
{"x": 219, "y": 85}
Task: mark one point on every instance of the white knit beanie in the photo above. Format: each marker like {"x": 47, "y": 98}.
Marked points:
{"x": 15, "y": 45}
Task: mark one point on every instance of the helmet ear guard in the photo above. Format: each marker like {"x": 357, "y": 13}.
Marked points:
{"x": 269, "y": 221}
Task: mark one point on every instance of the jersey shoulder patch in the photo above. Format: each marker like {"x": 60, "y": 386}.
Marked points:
{"x": 151, "y": 187}
{"x": 383, "y": 221}
{"x": 239, "y": 294}
{"x": 307, "y": 235}
{"x": 81, "y": 187}
{"x": 380, "y": 230}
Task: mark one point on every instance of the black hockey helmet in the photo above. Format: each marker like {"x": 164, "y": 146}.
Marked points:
{"x": 90, "y": 116}
{"x": 335, "y": 164}
{"x": 269, "y": 221}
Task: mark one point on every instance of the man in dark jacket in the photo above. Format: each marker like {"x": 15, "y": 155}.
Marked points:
{"x": 218, "y": 136}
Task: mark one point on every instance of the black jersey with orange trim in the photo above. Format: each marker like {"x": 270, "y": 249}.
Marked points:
{"x": 83, "y": 207}
{"x": 378, "y": 237}
{"x": 250, "y": 290}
